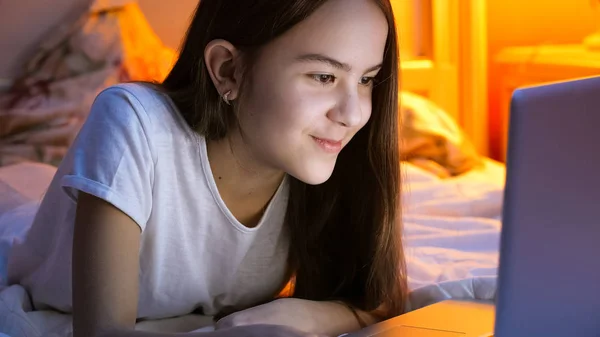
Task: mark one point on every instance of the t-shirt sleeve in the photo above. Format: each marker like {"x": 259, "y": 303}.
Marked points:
{"x": 112, "y": 157}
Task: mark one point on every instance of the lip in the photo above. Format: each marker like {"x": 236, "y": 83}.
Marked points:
{"x": 328, "y": 145}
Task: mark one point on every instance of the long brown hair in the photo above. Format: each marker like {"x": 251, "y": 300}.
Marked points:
{"x": 345, "y": 233}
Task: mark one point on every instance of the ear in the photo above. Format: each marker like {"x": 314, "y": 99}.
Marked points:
{"x": 222, "y": 63}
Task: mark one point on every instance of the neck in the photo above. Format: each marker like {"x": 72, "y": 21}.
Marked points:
{"x": 245, "y": 185}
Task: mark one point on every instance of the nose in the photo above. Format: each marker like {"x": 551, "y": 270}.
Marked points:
{"x": 347, "y": 111}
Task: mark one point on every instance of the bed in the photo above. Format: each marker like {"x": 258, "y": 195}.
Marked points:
{"x": 452, "y": 192}
{"x": 451, "y": 225}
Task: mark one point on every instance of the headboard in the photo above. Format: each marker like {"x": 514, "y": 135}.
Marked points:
{"x": 443, "y": 48}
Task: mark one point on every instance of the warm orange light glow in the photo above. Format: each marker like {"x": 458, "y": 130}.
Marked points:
{"x": 533, "y": 23}
{"x": 288, "y": 290}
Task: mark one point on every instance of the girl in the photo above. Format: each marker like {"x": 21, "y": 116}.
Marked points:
{"x": 269, "y": 153}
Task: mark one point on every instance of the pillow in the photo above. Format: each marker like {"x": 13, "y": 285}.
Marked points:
{"x": 28, "y": 22}
{"x": 431, "y": 139}
{"x": 25, "y": 35}
{"x": 42, "y": 113}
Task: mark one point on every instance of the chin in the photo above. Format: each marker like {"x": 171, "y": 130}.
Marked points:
{"x": 313, "y": 173}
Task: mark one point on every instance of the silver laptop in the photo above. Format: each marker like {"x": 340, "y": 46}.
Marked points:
{"x": 549, "y": 273}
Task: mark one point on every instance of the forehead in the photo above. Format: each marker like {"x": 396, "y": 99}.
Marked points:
{"x": 351, "y": 31}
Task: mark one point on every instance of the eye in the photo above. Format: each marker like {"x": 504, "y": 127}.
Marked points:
{"x": 324, "y": 78}
{"x": 367, "y": 81}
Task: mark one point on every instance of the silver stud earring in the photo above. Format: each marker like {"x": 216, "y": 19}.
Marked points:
{"x": 226, "y": 97}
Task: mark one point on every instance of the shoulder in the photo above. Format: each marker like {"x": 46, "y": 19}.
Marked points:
{"x": 140, "y": 104}
{"x": 138, "y": 98}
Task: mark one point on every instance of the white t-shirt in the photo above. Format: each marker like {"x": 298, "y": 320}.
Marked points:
{"x": 136, "y": 152}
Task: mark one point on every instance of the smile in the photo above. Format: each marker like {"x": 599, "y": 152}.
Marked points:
{"x": 329, "y": 146}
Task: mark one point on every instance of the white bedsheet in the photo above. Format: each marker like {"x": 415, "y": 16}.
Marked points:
{"x": 452, "y": 233}
{"x": 451, "y": 229}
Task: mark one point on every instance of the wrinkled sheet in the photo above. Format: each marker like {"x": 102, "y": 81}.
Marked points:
{"x": 451, "y": 237}
{"x": 452, "y": 233}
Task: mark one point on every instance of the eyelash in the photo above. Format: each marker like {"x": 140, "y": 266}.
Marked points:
{"x": 319, "y": 77}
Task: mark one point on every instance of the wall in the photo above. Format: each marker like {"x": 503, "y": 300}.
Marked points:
{"x": 532, "y": 22}
{"x": 518, "y": 22}
{"x": 169, "y": 19}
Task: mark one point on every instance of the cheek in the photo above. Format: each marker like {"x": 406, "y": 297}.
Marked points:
{"x": 366, "y": 106}
{"x": 283, "y": 110}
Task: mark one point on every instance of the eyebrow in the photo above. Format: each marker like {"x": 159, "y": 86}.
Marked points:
{"x": 332, "y": 62}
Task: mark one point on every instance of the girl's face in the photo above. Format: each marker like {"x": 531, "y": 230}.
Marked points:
{"x": 310, "y": 89}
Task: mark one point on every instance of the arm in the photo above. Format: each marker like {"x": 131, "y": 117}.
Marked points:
{"x": 105, "y": 277}
{"x": 326, "y": 318}
{"x": 335, "y": 318}
{"x": 106, "y": 243}
{"x": 105, "y": 271}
